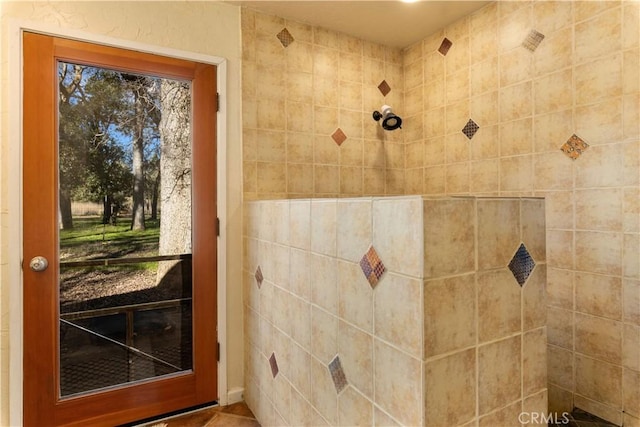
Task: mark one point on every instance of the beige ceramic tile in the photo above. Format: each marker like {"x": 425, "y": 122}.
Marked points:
{"x": 383, "y": 419}
{"x": 599, "y": 252}
{"x": 484, "y": 176}
{"x": 498, "y": 232}
{"x": 599, "y": 381}
{"x": 354, "y": 409}
{"x": 535, "y": 405}
{"x": 434, "y": 122}
{"x": 551, "y": 171}
{"x": 351, "y": 181}
{"x": 457, "y": 176}
{"x": 449, "y": 314}
{"x": 499, "y": 380}
{"x": 630, "y": 64}
{"x": 271, "y": 177}
{"x": 299, "y": 274}
{"x": 532, "y": 221}
{"x": 558, "y": 209}
{"x": 301, "y": 322}
{"x": 397, "y": 305}
{"x": 560, "y": 327}
{"x": 444, "y": 379}
{"x": 499, "y": 312}
{"x": 300, "y": 227}
{"x": 560, "y": 288}
{"x": 483, "y": 41}
{"x": 484, "y": 76}
{"x": 398, "y": 383}
{"x": 514, "y": 25}
{"x": 534, "y": 313}
{"x": 552, "y": 130}
{"x": 355, "y": 349}
{"x": 397, "y": 235}
{"x": 599, "y": 338}
{"x": 631, "y": 347}
{"x": 433, "y": 66}
{"x": 300, "y": 370}
{"x": 507, "y": 416}
{"x": 560, "y": 401}
{"x": 434, "y": 180}
{"x": 598, "y": 36}
{"x": 560, "y": 367}
{"x": 516, "y": 101}
{"x": 457, "y": 86}
{"x": 599, "y": 79}
{"x": 323, "y": 226}
{"x": 516, "y": 174}
{"x": 606, "y": 412}
{"x": 458, "y": 56}
{"x": 601, "y": 166}
{"x": 631, "y": 210}
{"x": 600, "y": 123}
{"x": 599, "y": 209}
{"x": 324, "y": 333}
{"x": 324, "y": 282}
{"x": 485, "y": 144}
{"x": 457, "y": 148}
{"x": 553, "y": 92}
{"x": 555, "y": 52}
{"x": 516, "y": 137}
{"x": 323, "y": 392}
{"x": 483, "y": 109}
{"x": 631, "y": 256}
{"x": 534, "y": 361}
{"x": 631, "y": 298}
{"x": 449, "y": 237}
{"x": 631, "y": 421}
{"x": 355, "y": 296}
{"x": 599, "y": 295}
{"x": 631, "y": 392}
{"x": 515, "y": 66}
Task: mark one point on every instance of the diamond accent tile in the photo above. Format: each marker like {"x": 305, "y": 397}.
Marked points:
{"x": 470, "y": 128}
{"x": 274, "y": 365}
{"x": 372, "y": 267}
{"x": 533, "y": 40}
{"x": 384, "y": 88}
{"x": 521, "y": 265}
{"x": 259, "y": 277}
{"x": 337, "y": 374}
{"x": 285, "y": 37}
{"x": 338, "y": 136}
{"x": 574, "y": 147}
{"x": 445, "y": 46}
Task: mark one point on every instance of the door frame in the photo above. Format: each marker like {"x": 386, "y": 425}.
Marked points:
{"x": 14, "y": 177}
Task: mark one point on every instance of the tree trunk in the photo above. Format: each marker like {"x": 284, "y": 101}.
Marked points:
{"x": 154, "y": 196}
{"x": 106, "y": 209}
{"x": 66, "y": 218}
{"x": 175, "y": 170}
{"x": 137, "y": 214}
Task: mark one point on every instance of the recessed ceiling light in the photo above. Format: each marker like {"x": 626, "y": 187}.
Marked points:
{"x": 408, "y": 1}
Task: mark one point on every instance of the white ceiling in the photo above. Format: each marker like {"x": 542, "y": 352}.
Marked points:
{"x": 392, "y": 23}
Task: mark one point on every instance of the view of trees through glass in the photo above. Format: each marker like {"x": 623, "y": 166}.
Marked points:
{"x": 125, "y": 227}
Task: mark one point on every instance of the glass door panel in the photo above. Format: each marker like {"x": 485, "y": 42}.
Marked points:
{"x": 125, "y": 245}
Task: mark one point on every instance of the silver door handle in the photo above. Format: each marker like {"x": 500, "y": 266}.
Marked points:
{"x": 38, "y": 263}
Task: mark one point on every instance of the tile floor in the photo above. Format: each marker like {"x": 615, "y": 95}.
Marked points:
{"x": 580, "y": 418}
{"x": 236, "y": 415}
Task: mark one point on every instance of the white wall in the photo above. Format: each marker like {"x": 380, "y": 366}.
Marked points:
{"x": 200, "y": 28}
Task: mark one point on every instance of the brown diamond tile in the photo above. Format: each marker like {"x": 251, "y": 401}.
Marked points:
{"x": 533, "y": 40}
{"x": 470, "y": 129}
{"x": 337, "y": 374}
{"x": 285, "y": 37}
{"x": 259, "y": 277}
{"x": 445, "y": 46}
{"x": 384, "y": 88}
{"x": 274, "y": 365}
{"x": 339, "y": 136}
{"x": 372, "y": 267}
{"x": 574, "y": 147}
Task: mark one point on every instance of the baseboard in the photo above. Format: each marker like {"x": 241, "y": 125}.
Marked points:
{"x": 235, "y": 395}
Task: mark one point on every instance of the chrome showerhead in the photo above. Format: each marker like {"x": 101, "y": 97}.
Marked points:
{"x": 389, "y": 120}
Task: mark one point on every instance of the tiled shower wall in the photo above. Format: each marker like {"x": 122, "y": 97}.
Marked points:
{"x": 395, "y": 311}
{"x": 542, "y": 98}
{"x": 524, "y": 98}
{"x": 308, "y": 99}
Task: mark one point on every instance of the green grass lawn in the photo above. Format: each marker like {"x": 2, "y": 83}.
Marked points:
{"x": 90, "y": 239}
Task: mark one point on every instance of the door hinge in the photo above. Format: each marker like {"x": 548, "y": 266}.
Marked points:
{"x": 217, "y": 226}
{"x": 217, "y": 101}
{"x": 218, "y": 352}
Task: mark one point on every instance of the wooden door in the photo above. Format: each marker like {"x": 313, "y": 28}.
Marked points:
{"x": 48, "y": 325}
